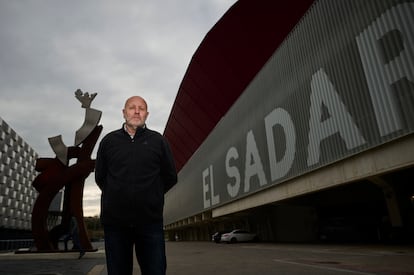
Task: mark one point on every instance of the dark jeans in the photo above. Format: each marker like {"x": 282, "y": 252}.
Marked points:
{"x": 149, "y": 249}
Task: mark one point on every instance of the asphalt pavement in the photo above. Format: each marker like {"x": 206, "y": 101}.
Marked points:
{"x": 204, "y": 258}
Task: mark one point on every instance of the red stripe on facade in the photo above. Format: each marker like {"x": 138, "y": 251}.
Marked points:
{"x": 227, "y": 60}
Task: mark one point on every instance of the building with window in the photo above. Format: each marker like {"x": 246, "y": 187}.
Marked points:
{"x": 17, "y": 172}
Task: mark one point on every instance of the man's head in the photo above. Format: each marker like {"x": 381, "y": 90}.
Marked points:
{"x": 135, "y": 112}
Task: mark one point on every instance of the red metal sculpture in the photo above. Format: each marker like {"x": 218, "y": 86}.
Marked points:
{"x": 56, "y": 173}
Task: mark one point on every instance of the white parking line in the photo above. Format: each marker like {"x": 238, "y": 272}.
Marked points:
{"x": 97, "y": 269}
{"x": 323, "y": 267}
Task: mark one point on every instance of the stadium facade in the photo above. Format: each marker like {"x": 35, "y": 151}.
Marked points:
{"x": 295, "y": 120}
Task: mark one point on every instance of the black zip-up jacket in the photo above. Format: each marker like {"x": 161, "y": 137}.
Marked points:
{"x": 133, "y": 174}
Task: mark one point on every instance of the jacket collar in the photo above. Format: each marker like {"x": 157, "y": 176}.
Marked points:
{"x": 138, "y": 131}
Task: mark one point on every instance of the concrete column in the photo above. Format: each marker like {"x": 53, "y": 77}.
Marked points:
{"x": 390, "y": 196}
{"x": 392, "y": 229}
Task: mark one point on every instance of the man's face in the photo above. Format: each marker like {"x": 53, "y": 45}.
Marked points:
{"x": 135, "y": 112}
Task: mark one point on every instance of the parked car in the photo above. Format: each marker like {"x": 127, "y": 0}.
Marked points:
{"x": 238, "y": 235}
{"x": 216, "y": 237}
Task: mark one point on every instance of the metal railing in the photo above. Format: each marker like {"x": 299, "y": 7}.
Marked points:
{"x": 11, "y": 245}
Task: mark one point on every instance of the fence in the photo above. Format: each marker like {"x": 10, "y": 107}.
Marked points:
{"x": 10, "y": 245}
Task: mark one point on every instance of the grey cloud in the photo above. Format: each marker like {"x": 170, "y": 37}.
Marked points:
{"x": 115, "y": 48}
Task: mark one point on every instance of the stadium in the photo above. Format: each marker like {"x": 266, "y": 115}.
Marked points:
{"x": 294, "y": 120}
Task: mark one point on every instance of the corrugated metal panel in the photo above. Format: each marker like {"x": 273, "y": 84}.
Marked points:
{"x": 340, "y": 83}
{"x": 229, "y": 57}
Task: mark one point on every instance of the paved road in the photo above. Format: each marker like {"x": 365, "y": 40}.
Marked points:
{"x": 250, "y": 258}
{"x": 266, "y": 259}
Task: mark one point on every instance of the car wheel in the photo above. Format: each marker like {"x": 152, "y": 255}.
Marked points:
{"x": 233, "y": 240}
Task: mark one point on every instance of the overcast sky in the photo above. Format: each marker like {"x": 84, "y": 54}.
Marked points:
{"x": 114, "y": 48}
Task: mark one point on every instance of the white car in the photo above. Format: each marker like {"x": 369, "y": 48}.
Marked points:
{"x": 238, "y": 235}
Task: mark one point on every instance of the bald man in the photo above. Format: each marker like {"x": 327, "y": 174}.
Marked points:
{"x": 134, "y": 169}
